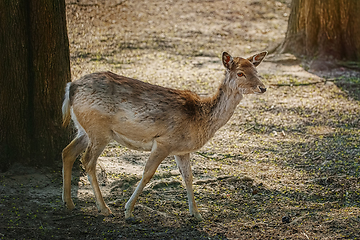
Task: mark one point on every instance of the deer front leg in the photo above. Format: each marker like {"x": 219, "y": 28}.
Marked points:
{"x": 158, "y": 154}
{"x": 183, "y": 163}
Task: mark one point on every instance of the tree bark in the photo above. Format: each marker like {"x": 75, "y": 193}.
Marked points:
{"x": 34, "y": 69}
{"x": 326, "y": 29}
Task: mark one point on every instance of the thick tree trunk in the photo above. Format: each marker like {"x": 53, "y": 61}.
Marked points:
{"x": 328, "y": 29}
{"x": 34, "y": 69}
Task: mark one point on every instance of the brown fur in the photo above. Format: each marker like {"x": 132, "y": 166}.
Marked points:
{"x": 143, "y": 116}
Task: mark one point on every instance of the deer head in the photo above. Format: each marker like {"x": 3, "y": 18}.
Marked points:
{"x": 241, "y": 74}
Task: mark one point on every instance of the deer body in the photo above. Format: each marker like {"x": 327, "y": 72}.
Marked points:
{"x": 141, "y": 116}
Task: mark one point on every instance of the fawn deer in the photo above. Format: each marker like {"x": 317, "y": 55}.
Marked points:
{"x": 141, "y": 116}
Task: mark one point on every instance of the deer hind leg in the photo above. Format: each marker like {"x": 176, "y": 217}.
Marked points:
{"x": 183, "y": 162}
{"x": 69, "y": 154}
{"x": 157, "y": 155}
{"x": 89, "y": 160}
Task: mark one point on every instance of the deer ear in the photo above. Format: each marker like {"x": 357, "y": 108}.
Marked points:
{"x": 257, "y": 58}
{"x": 227, "y": 60}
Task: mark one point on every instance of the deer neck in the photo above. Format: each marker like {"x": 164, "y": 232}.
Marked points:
{"x": 222, "y": 106}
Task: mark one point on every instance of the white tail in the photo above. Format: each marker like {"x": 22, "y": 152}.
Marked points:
{"x": 66, "y": 106}
{"x": 141, "y": 116}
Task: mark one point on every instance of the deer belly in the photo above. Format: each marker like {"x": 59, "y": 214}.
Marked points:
{"x": 133, "y": 144}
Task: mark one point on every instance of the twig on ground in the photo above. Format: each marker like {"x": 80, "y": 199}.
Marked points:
{"x": 301, "y": 84}
{"x": 215, "y": 158}
{"x": 247, "y": 129}
{"x": 203, "y": 155}
{"x": 22, "y": 228}
{"x": 72, "y": 216}
{"x": 307, "y": 237}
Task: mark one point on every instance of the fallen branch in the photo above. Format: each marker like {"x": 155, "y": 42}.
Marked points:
{"x": 299, "y": 219}
{"x": 203, "y": 155}
{"x": 247, "y": 129}
{"x": 72, "y": 216}
{"x": 215, "y": 158}
{"x": 301, "y": 84}
{"x": 22, "y": 228}
{"x": 293, "y": 84}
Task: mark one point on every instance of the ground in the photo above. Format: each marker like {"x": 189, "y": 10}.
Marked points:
{"x": 286, "y": 165}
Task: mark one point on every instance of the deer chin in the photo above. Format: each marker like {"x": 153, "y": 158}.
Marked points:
{"x": 246, "y": 91}
{"x": 256, "y": 91}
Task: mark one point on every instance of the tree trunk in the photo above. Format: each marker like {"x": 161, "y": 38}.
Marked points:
{"x": 34, "y": 69}
{"x": 327, "y": 29}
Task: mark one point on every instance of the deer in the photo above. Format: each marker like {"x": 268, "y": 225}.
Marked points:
{"x": 105, "y": 106}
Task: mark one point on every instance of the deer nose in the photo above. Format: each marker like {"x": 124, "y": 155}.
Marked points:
{"x": 262, "y": 89}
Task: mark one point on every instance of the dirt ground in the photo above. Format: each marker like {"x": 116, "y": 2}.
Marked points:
{"x": 286, "y": 165}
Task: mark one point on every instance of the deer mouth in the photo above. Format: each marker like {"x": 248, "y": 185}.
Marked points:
{"x": 257, "y": 90}
{"x": 262, "y": 89}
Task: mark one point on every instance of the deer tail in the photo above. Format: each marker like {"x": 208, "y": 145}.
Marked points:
{"x": 66, "y": 106}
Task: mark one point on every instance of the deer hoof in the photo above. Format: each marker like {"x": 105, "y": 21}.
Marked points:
{"x": 106, "y": 212}
{"x": 131, "y": 220}
{"x": 198, "y": 217}
{"x": 69, "y": 205}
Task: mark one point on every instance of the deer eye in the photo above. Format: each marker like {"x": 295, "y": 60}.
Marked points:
{"x": 241, "y": 74}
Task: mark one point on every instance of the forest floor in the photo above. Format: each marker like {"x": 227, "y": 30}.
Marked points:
{"x": 286, "y": 165}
